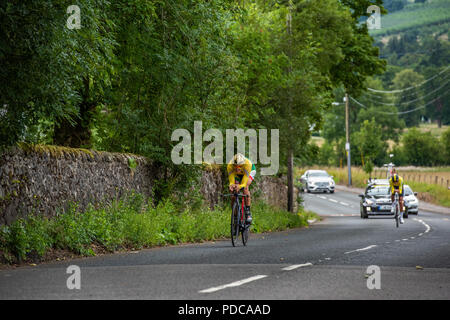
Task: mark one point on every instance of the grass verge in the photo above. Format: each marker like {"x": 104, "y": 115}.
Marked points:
{"x": 128, "y": 225}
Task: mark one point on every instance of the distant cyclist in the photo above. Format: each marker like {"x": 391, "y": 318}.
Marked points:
{"x": 396, "y": 184}
{"x": 241, "y": 172}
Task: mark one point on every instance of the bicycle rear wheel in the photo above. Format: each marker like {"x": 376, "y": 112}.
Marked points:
{"x": 235, "y": 224}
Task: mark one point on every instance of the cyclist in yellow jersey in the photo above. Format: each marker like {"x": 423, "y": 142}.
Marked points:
{"x": 241, "y": 172}
{"x": 396, "y": 184}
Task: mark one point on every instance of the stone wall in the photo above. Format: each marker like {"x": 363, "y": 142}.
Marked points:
{"x": 42, "y": 179}
{"x": 274, "y": 191}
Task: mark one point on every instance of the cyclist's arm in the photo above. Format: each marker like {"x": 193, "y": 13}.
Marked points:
{"x": 391, "y": 184}
{"x": 244, "y": 181}
{"x": 231, "y": 174}
{"x": 247, "y": 169}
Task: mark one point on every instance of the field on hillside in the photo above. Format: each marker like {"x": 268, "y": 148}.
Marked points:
{"x": 413, "y": 15}
{"x": 432, "y": 127}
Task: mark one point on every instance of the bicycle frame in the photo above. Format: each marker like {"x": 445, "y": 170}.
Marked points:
{"x": 241, "y": 226}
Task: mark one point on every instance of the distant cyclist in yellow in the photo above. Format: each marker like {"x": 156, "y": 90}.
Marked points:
{"x": 241, "y": 172}
{"x": 396, "y": 184}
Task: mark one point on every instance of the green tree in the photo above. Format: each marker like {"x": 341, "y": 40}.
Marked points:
{"x": 445, "y": 141}
{"x": 49, "y": 71}
{"x": 405, "y": 79}
{"x": 369, "y": 143}
{"x": 422, "y": 148}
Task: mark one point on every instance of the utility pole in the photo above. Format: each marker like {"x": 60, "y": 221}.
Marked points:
{"x": 347, "y": 142}
{"x": 290, "y": 160}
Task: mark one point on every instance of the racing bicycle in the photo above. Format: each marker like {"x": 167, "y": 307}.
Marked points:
{"x": 238, "y": 224}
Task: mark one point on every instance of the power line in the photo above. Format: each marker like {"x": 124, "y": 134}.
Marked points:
{"x": 401, "y": 112}
{"x": 399, "y": 54}
{"x": 410, "y": 88}
{"x": 408, "y": 102}
{"x": 408, "y": 94}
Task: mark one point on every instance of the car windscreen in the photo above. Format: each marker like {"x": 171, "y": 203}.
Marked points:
{"x": 318, "y": 174}
{"x": 377, "y": 191}
{"x": 408, "y": 191}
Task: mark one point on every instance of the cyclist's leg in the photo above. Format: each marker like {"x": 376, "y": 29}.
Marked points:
{"x": 248, "y": 214}
{"x": 392, "y": 201}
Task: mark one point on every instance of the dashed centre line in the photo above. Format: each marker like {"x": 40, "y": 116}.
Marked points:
{"x": 295, "y": 266}
{"x": 362, "y": 249}
{"x": 233, "y": 284}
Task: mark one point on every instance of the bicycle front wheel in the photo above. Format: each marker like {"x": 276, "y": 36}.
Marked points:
{"x": 396, "y": 217}
{"x": 234, "y": 224}
{"x": 245, "y": 232}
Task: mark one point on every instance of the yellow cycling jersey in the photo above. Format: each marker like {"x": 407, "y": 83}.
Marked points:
{"x": 396, "y": 185}
{"x": 242, "y": 170}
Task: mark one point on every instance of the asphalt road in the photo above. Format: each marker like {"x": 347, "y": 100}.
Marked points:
{"x": 328, "y": 260}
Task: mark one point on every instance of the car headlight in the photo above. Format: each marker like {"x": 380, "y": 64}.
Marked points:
{"x": 369, "y": 202}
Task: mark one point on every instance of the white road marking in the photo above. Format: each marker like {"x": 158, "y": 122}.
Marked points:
{"x": 233, "y": 284}
{"x": 428, "y": 228}
{"x": 322, "y": 197}
{"x": 332, "y": 200}
{"x": 405, "y": 239}
{"x": 344, "y": 203}
{"x": 295, "y": 266}
{"x": 362, "y": 249}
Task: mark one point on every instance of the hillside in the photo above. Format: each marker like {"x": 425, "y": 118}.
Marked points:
{"x": 414, "y": 15}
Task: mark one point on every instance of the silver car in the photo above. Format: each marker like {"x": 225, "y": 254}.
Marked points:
{"x": 317, "y": 181}
{"x": 411, "y": 201}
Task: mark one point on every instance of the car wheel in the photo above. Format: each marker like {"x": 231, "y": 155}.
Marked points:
{"x": 332, "y": 191}
{"x": 363, "y": 214}
{"x": 307, "y": 189}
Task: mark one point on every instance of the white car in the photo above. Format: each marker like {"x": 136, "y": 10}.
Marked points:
{"x": 411, "y": 201}
{"x": 317, "y": 181}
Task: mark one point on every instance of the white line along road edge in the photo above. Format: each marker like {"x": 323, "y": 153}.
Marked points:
{"x": 233, "y": 284}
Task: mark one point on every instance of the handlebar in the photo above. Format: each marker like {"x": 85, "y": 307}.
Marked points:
{"x": 234, "y": 195}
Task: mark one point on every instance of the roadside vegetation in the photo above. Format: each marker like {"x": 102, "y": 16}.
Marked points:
{"x": 129, "y": 224}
